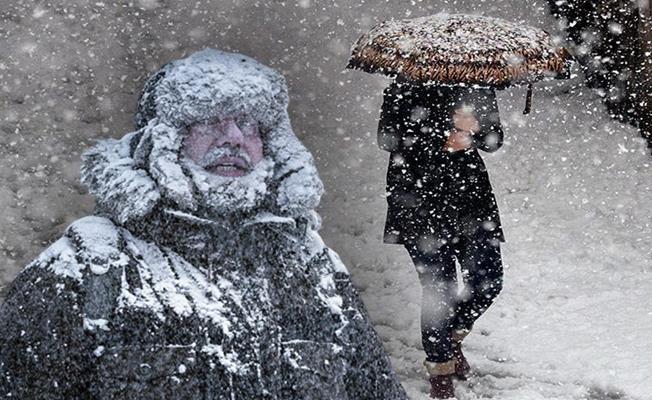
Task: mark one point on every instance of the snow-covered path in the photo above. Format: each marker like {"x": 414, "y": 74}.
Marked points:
{"x": 575, "y": 318}
{"x": 576, "y": 308}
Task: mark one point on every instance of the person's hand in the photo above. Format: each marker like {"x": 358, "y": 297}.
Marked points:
{"x": 465, "y": 124}
{"x": 463, "y": 119}
{"x": 458, "y": 140}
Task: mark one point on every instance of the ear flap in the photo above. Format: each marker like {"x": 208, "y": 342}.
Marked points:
{"x": 159, "y": 150}
{"x": 299, "y": 187}
{"x": 281, "y": 97}
{"x": 121, "y": 188}
{"x": 129, "y": 177}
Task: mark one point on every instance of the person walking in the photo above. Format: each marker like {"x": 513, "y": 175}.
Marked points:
{"x": 441, "y": 208}
{"x": 440, "y": 109}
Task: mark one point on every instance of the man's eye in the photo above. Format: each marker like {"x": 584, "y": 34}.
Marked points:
{"x": 199, "y": 129}
{"x": 248, "y": 126}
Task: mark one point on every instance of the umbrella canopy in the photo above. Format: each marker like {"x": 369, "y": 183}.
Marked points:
{"x": 460, "y": 49}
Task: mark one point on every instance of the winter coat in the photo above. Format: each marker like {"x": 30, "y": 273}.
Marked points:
{"x": 167, "y": 293}
{"x": 433, "y": 195}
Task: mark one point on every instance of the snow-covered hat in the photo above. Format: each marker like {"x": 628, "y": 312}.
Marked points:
{"x": 208, "y": 82}
{"x": 131, "y": 176}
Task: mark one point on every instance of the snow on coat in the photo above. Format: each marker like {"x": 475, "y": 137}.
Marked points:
{"x": 435, "y": 196}
{"x": 188, "y": 285}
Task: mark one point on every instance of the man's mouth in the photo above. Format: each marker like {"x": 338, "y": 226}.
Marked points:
{"x": 229, "y": 166}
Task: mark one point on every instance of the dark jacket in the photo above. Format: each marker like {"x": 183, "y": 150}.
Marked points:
{"x": 105, "y": 314}
{"x": 434, "y": 195}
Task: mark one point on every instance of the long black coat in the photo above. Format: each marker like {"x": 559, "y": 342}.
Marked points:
{"x": 434, "y": 195}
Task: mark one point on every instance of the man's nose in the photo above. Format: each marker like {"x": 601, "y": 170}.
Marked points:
{"x": 231, "y": 135}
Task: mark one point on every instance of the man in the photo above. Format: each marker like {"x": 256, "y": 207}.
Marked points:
{"x": 202, "y": 274}
{"x": 441, "y": 208}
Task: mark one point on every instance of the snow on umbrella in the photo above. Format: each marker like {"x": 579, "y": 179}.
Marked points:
{"x": 455, "y": 49}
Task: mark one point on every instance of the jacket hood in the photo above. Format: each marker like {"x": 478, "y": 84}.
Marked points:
{"x": 131, "y": 176}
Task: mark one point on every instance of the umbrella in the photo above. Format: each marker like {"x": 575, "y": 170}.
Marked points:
{"x": 456, "y": 49}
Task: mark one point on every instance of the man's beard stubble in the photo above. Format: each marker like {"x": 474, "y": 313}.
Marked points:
{"x": 222, "y": 196}
{"x": 209, "y": 160}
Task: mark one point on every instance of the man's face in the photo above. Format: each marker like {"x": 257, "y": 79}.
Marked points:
{"x": 228, "y": 147}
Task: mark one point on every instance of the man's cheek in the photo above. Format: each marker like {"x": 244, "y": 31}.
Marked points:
{"x": 196, "y": 147}
{"x": 258, "y": 155}
{"x": 255, "y": 150}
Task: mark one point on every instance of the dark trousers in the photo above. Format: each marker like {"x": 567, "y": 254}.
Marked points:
{"x": 443, "y": 309}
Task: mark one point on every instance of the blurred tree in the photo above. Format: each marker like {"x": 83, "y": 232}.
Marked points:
{"x": 611, "y": 40}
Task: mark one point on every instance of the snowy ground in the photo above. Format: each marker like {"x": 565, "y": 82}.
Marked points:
{"x": 575, "y": 317}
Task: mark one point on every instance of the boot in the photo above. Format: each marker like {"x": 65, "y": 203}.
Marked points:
{"x": 441, "y": 379}
{"x": 441, "y": 387}
{"x": 462, "y": 367}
